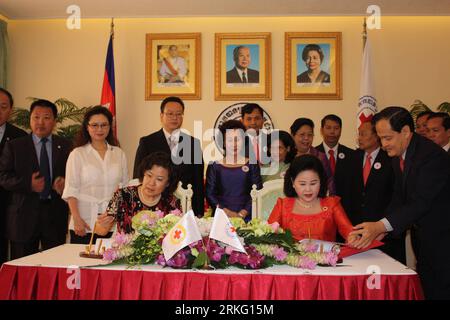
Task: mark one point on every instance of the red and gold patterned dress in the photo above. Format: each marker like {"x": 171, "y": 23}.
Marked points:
{"x": 322, "y": 225}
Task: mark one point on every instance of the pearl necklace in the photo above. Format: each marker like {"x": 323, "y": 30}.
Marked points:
{"x": 145, "y": 201}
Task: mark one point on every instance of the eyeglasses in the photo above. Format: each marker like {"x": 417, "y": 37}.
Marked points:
{"x": 305, "y": 135}
{"x": 173, "y": 115}
{"x": 96, "y": 126}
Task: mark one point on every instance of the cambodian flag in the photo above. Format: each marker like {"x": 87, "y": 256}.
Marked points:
{"x": 109, "y": 87}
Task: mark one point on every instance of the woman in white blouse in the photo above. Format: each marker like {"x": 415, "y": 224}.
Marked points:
{"x": 95, "y": 169}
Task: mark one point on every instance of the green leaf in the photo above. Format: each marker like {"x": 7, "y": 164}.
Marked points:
{"x": 201, "y": 260}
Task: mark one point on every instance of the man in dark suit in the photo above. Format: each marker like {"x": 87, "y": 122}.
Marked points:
{"x": 438, "y": 125}
{"x": 422, "y": 186}
{"x": 339, "y": 156}
{"x": 185, "y": 150}
{"x": 241, "y": 73}
{"x": 7, "y": 132}
{"x": 252, "y": 117}
{"x": 371, "y": 185}
{"x": 32, "y": 169}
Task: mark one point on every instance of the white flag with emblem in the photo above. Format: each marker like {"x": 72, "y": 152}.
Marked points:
{"x": 182, "y": 234}
{"x": 222, "y": 229}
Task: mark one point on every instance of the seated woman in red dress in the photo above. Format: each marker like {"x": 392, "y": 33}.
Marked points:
{"x": 306, "y": 211}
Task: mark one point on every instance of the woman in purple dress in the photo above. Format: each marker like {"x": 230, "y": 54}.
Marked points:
{"x": 230, "y": 180}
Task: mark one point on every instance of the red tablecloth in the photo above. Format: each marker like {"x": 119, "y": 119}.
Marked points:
{"x": 42, "y": 283}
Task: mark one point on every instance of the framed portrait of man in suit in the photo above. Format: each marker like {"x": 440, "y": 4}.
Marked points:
{"x": 172, "y": 65}
{"x": 243, "y": 66}
{"x": 313, "y": 65}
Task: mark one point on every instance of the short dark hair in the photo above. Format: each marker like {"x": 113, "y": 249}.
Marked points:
{"x": 427, "y": 113}
{"x": 229, "y": 125}
{"x": 236, "y": 52}
{"x": 398, "y": 117}
{"x": 83, "y": 136}
{"x": 250, "y": 107}
{"x": 45, "y": 104}
{"x": 331, "y": 117}
{"x": 442, "y": 115}
{"x": 171, "y": 99}
{"x": 300, "y": 164}
{"x": 287, "y": 140}
{"x": 300, "y": 122}
{"x": 160, "y": 159}
{"x": 372, "y": 125}
{"x": 9, "y": 95}
{"x": 312, "y": 47}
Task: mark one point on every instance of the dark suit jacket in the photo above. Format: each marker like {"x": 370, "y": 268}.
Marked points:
{"x": 369, "y": 202}
{"x": 11, "y": 133}
{"x": 190, "y": 166}
{"x": 233, "y": 76}
{"x": 18, "y": 162}
{"x": 343, "y": 169}
{"x": 421, "y": 197}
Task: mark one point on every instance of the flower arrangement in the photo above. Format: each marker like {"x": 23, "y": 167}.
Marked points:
{"x": 265, "y": 244}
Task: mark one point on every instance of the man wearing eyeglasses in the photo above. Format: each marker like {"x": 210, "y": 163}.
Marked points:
{"x": 185, "y": 150}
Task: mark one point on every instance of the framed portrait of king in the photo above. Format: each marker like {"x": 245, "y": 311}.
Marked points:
{"x": 243, "y": 66}
{"x": 313, "y": 65}
{"x": 172, "y": 65}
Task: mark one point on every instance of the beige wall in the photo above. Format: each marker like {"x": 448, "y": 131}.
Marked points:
{"x": 410, "y": 55}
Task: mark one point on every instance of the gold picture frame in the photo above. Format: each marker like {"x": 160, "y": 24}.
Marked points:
{"x": 173, "y": 66}
{"x": 247, "y": 77}
{"x": 306, "y": 78}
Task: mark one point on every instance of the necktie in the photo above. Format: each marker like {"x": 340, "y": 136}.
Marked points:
{"x": 332, "y": 161}
{"x": 244, "y": 78}
{"x": 256, "y": 148}
{"x": 402, "y": 164}
{"x": 44, "y": 169}
{"x": 367, "y": 167}
{"x": 172, "y": 142}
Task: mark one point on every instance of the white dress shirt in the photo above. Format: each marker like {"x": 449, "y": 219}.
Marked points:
{"x": 373, "y": 156}
{"x": 2, "y": 131}
{"x": 327, "y": 150}
{"x": 446, "y": 147}
{"x": 93, "y": 180}
{"x": 175, "y": 136}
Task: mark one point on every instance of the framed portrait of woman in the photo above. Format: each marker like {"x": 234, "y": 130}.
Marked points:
{"x": 243, "y": 66}
{"x": 313, "y": 65}
{"x": 172, "y": 65}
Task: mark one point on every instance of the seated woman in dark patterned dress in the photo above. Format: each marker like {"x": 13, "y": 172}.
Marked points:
{"x": 230, "y": 180}
{"x": 158, "y": 180}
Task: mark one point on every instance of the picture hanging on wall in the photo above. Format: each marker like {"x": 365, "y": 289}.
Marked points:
{"x": 243, "y": 66}
{"x": 173, "y": 65}
{"x": 313, "y": 65}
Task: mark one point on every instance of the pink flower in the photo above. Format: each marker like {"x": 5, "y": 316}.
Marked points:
{"x": 307, "y": 263}
{"x": 279, "y": 253}
{"x": 110, "y": 255}
{"x": 177, "y": 212}
{"x": 331, "y": 258}
{"x": 229, "y": 250}
{"x": 161, "y": 261}
{"x": 179, "y": 260}
{"x": 159, "y": 213}
{"x": 121, "y": 239}
{"x": 275, "y": 226}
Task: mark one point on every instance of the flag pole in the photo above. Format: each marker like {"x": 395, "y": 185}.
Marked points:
{"x": 364, "y": 33}
{"x": 112, "y": 28}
